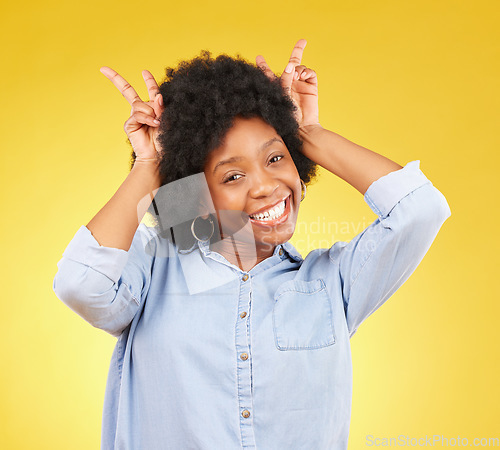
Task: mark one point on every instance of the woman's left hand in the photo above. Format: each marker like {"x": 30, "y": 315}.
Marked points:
{"x": 301, "y": 84}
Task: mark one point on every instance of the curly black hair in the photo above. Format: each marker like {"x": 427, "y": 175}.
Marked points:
{"x": 202, "y": 97}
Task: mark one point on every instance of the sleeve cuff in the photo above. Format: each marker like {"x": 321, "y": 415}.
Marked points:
{"x": 84, "y": 249}
{"x": 384, "y": 193}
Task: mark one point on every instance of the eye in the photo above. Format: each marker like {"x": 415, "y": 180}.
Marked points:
{"x": 231, "y": 178}
{"x": 275, "y": 159}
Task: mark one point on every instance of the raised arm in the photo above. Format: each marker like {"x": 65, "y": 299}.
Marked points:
{"x": 105, "y": 271}
{"x": 117, "y": 221}
{"x": 357, "y": 165}
{"x": 410, "y": 210}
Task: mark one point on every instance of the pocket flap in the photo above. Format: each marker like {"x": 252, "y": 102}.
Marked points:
{"x": 302, "y": 286}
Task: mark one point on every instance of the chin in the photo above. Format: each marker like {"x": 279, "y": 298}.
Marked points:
{"x": 274, "y": 238}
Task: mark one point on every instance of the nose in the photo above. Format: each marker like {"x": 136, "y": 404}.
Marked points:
{"x": 263, "y": 184}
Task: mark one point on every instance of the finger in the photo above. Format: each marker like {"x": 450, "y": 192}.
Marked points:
{"x": 295, "y": 60}
{"x": 121, "y": 84}
{"x": 305, "y": 74}
{"x": 299, "y": 70}
{"x": 143, "y": 107}
{"x": 140, "y": 117}
{"x": 151, "y": 84}
{"x": 261, "y": 62}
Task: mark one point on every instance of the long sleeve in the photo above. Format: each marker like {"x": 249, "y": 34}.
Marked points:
{"x": 104, "y": 285}
{"x": 379, "y": 260}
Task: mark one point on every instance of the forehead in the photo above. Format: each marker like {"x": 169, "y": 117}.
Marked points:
{"x": 244, "y": 138}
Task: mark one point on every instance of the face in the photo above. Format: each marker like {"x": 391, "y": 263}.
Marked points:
{"x": 252, "y": 178}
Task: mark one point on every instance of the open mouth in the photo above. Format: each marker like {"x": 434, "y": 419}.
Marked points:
{"x": 276, "y": 215}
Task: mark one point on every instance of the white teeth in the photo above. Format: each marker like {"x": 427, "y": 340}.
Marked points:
{"x": 272, "y": 214}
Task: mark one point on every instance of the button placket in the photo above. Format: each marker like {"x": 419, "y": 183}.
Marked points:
{"x": 243, "y": 361}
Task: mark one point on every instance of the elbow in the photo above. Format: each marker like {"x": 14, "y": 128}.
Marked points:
{"x": 69, "y": 285}
{"x": 423, "y": 214}
{"x": 73, "y": 296}
{"x": 435, "y": 209}
{"x": 419, "y": 216}
{"x": 94, "y": 297}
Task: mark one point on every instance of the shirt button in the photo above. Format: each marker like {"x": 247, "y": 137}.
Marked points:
{"x": 243, "y": 315}
{"x": 281, "y": 252}
{"x": 244, "y": 356}
{"x": 246, "y": 413}
{"x": 245, "y": 277}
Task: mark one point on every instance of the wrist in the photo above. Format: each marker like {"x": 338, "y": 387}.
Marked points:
{"x": 313, "y": 139}
{"x": 147, "y": 160}
{"x": 149, "y": 170}
{"x": 310, "y": 129}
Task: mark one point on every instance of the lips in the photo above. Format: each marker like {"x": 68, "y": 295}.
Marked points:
{"x": 269, "y": 207}
{"x": 273, "y": 215}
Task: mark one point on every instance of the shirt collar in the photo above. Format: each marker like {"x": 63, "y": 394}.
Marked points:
{"x": 288, "y": 248}
{"x": 185, "y": 251}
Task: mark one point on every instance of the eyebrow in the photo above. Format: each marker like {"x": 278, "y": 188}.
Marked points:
{"x": 239, "y": 158}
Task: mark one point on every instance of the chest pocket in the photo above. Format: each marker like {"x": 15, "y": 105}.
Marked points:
{"x": 302, "y": 316}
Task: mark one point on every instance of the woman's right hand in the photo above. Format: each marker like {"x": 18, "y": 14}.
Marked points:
{"x": 142, "y": 125}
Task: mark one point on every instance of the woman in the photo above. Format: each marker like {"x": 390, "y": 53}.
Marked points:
{"x": 227, "y": 337}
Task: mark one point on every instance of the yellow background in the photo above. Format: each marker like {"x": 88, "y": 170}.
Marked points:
{"x": 411, "y": 80}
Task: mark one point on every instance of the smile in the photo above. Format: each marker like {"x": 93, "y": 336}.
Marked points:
{"x": 273, "y": 216}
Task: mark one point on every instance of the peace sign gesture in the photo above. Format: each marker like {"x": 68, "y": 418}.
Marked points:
{"x": 142, "y": 125}
{"x": 301, "y": 84}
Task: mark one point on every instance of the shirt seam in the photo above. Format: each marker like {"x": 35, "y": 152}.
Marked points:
{"x": 134, "y": 298}
{"x": 88, "y": 266}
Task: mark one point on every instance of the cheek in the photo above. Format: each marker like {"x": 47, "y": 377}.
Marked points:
{"x": 228, "y": 199}
{"x": 297, "y": 189}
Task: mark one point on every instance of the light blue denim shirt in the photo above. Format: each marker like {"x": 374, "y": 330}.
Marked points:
{"x": 210, "y": 357}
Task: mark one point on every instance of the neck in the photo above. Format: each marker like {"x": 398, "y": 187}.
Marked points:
{"x": 242, "y": 254}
